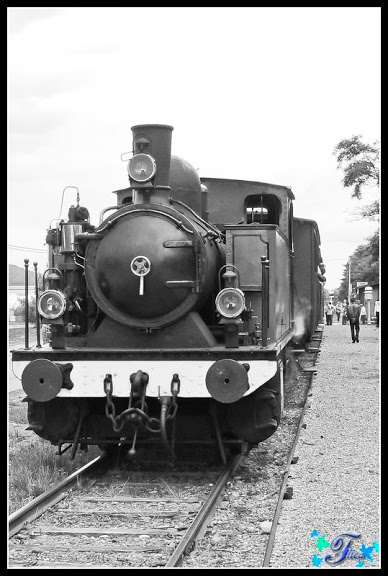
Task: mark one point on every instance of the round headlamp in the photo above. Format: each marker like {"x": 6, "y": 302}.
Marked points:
{"x": 141, "y": 167}
{"x": 230, "y": 302}
{"x": 52, "y": 304}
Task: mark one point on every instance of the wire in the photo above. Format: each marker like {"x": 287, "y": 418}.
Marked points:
{"x": 332, "y": 259}
{"x": 12, "y": 247}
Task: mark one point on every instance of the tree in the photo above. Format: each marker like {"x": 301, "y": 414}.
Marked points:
{"x": 20, "y": 309}
{"x": 360, "y": 164}
{"x": 364, "y": 265}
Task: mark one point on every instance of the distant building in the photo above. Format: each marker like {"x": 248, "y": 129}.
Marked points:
{"x": 375, "y": 296}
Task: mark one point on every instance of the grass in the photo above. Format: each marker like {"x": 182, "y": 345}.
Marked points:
{"x": 19, "y": 412}
{"x": 16, "y": 337}
{"x": 33, "y": 465}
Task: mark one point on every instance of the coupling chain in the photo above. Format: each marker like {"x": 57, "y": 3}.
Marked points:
{"x": 130, "y": 413}
{"x": 151, "y": 424}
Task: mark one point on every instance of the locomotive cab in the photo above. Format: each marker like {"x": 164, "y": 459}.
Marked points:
{"x": 261, "y": 232}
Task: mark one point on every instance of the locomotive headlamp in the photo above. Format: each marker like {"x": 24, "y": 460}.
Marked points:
{"x": 230, "y": 302}
{"x": 141, "y": 167}
{"x": 52, "y": 304}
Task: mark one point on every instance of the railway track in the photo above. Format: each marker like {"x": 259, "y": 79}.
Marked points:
{"x": 102, "y": 517}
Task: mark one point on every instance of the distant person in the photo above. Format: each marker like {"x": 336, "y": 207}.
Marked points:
{"x": 338, "y": 310}
{"x": 377, "y": 313}
{"x": 353, "y": 314}
{"x": 362, "y": 314}
{"x": 329, "y": 309}
{"x": 344, "y": 313}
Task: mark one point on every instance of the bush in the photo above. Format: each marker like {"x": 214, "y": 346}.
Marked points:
{"x": 20, "y": 310}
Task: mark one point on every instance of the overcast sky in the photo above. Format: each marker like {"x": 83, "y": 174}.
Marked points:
{"x": 252, "y": 93}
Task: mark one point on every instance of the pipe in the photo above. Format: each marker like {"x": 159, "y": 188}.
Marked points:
{"x": 166, "y": 401}
{"x": 106, "y": 210}
{"x": 78, "y": 432}
{"x": 26, "y": 261}
{"x": 36, "y": 304}
{"x": 264, "y": 304}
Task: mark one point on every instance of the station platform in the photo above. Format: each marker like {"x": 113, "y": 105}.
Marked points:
{"x": 333, "y": 518}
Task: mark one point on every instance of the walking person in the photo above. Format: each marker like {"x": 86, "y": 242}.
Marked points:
{"x": 338, "y": 310}
{"x": 377, "y": 313}
{"x": 329, "y": 308}
{"x": 362, "y": 314}
{"x": 344, "y": 313}
{"x": 353, "y": 314}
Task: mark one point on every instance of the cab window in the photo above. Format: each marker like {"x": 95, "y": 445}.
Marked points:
{"x": 262, "y": 209}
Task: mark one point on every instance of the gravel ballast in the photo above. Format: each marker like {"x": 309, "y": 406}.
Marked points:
{"x": 336, "y": 480}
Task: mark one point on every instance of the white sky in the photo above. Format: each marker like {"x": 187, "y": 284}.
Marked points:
{"x": 253, "y": 93}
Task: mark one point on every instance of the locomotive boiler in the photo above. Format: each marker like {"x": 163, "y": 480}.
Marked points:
{"x": 170, "y": 320}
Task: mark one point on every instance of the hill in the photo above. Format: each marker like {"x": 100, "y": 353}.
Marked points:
{"x": 16, "y": 276}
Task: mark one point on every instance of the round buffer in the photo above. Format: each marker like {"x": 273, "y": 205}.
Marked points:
{"x": 42, "y": 380}
{"x": 227, "y": 381}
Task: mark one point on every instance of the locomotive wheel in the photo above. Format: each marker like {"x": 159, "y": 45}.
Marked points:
{"x": 254, "y": 418}
{"x": 55, "y": 419}
{"x": 109, "y": 449}
{"x": 114, "y": 452}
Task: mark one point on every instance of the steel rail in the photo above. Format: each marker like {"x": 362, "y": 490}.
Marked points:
{"x": 271, "y": 538}
{"x": 36, "y": 507}
{"x": 199, "y": 522}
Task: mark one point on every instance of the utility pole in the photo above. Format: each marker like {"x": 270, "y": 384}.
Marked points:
{"x": 350, "y": 284}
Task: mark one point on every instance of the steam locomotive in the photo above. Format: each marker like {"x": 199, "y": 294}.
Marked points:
{"x": 170, "y": 321}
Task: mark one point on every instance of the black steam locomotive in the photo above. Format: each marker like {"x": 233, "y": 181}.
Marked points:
{"x": 170, "y": 320}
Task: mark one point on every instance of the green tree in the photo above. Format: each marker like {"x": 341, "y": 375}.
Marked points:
{"x": 360, "y": 165}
